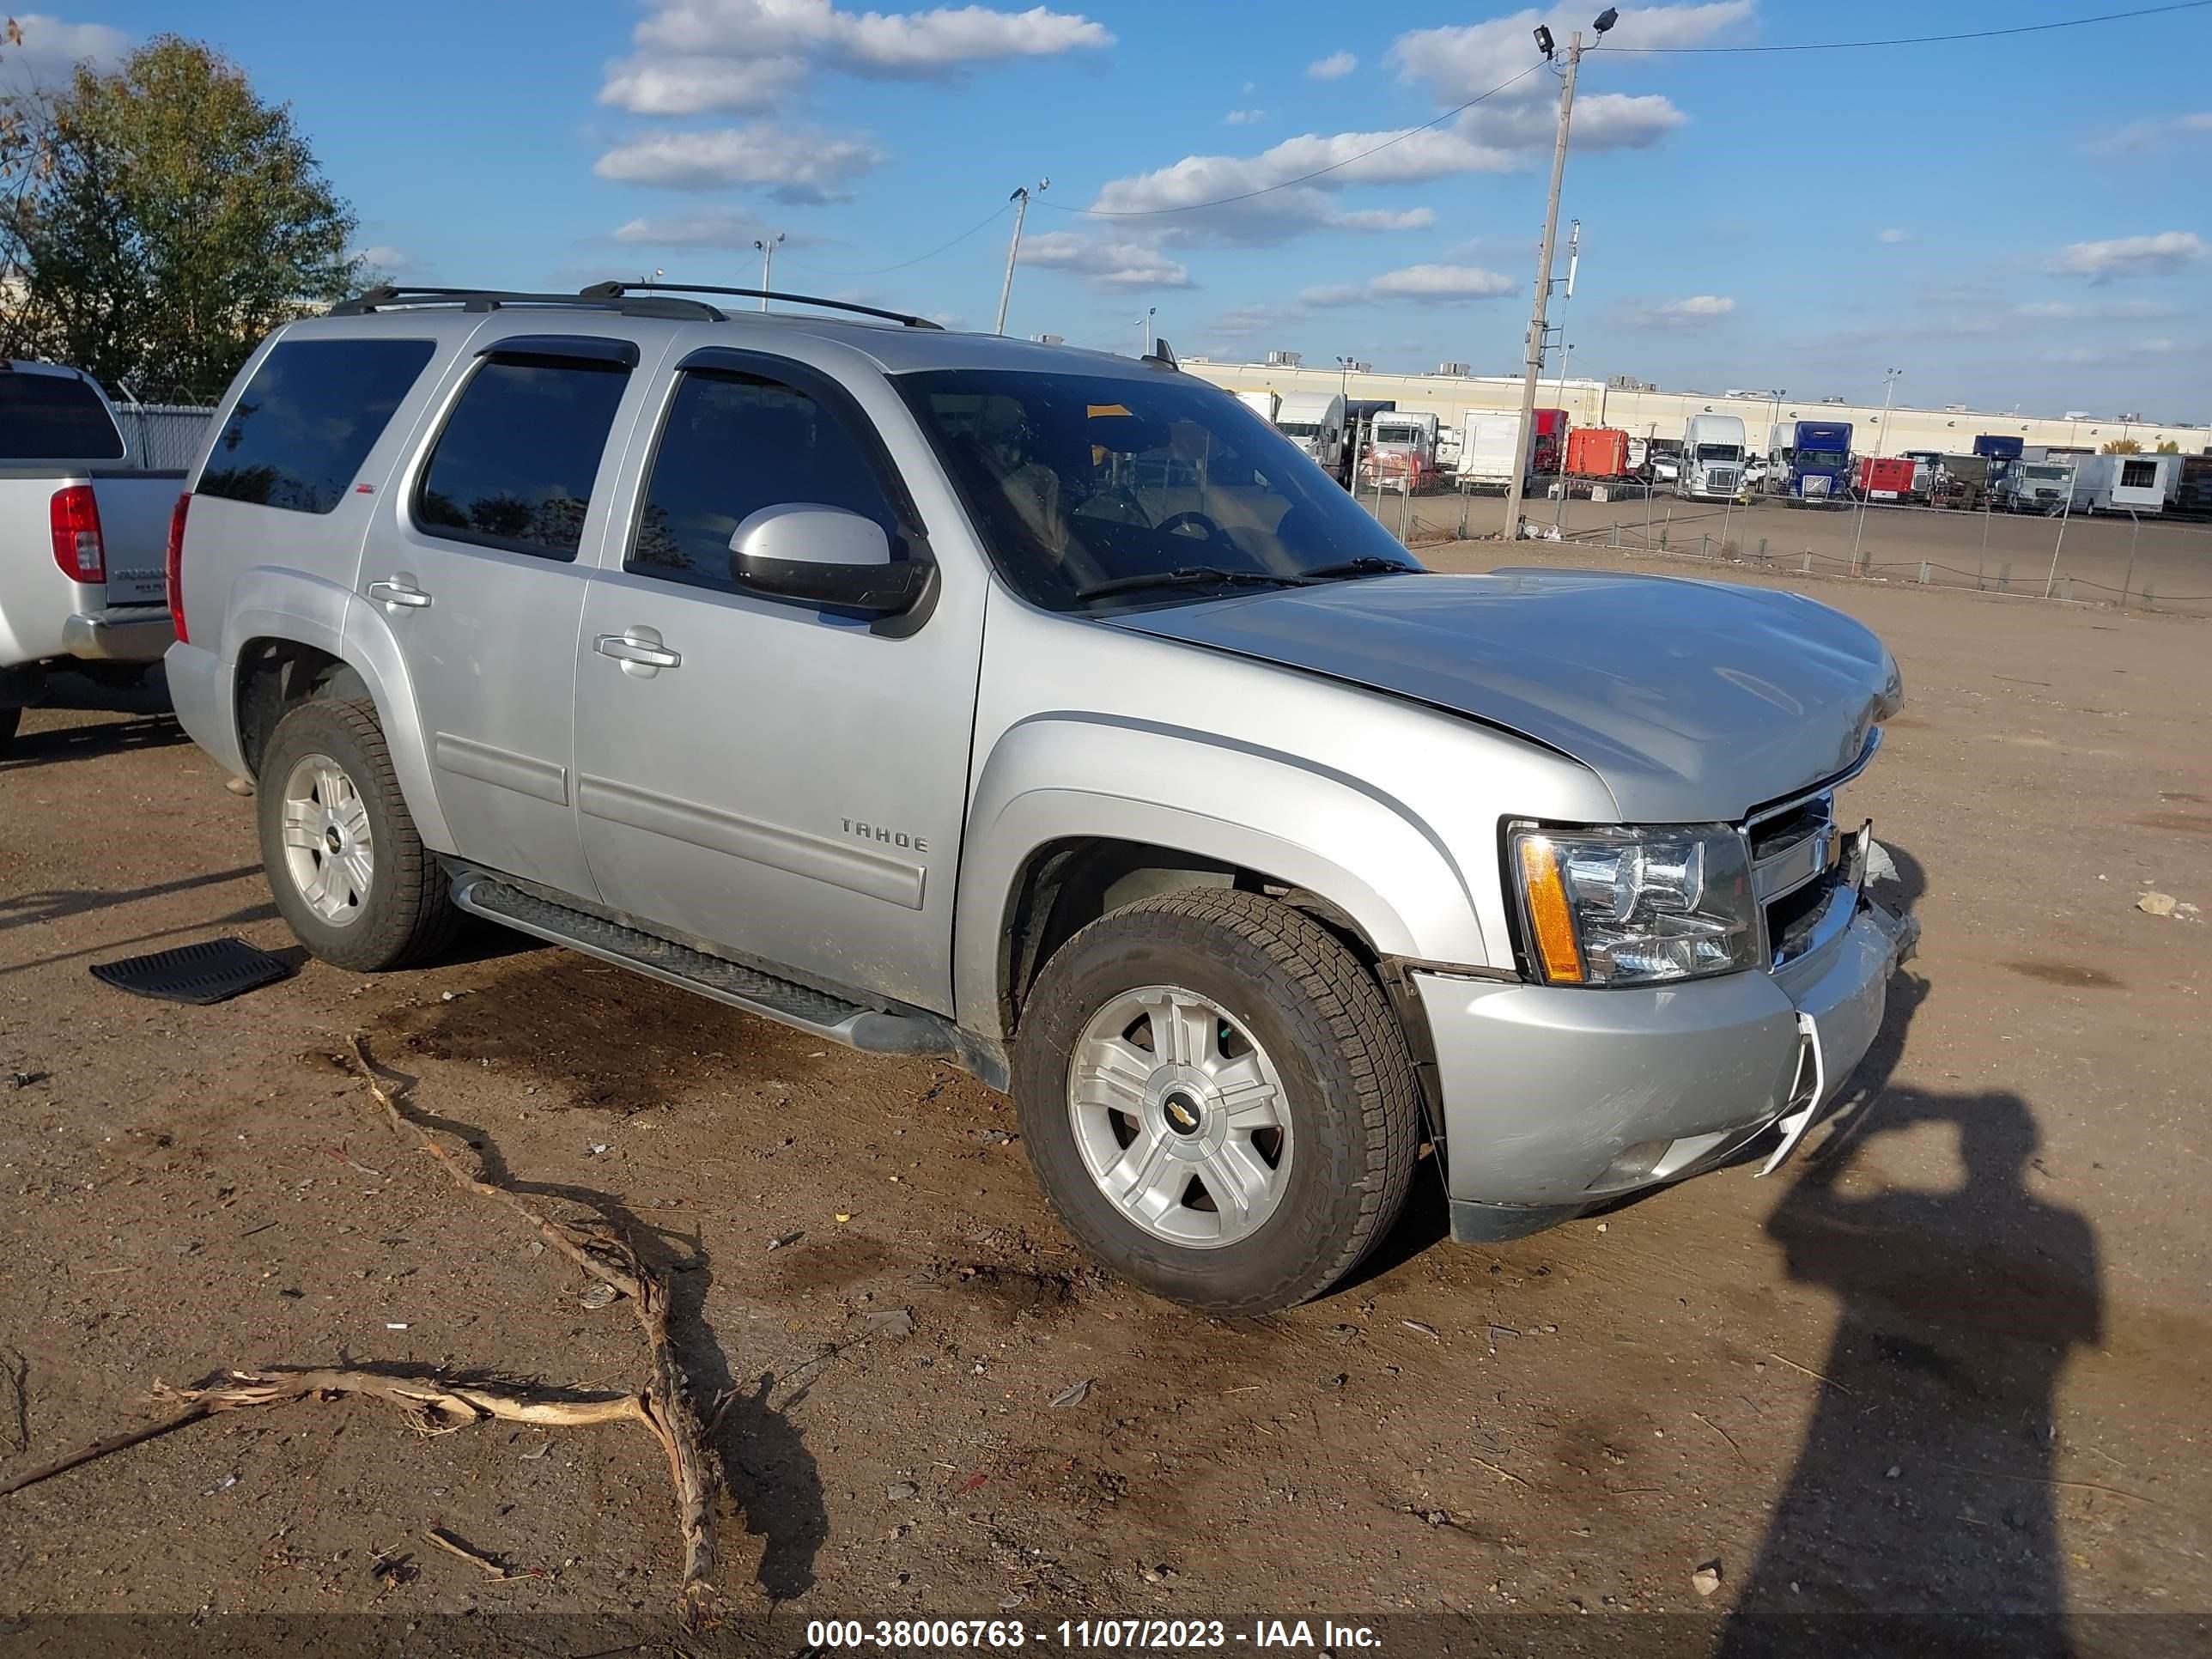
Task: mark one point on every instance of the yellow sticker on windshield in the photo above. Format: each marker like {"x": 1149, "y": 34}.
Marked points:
{"x": 1099, "y": 410}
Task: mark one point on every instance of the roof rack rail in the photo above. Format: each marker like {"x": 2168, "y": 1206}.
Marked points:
{"x": 617, "y": 291}
{"x": 388, "y": 296}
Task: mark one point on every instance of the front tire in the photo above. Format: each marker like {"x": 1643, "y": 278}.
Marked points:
{"x": 1218, "y": 1099}
{"x": 345, "y": 867}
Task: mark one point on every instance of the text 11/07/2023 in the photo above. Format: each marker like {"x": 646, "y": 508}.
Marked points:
{"x": 1130, "y": 1635}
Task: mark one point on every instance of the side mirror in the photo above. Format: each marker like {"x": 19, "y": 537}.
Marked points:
{"x": 824, "y": 556}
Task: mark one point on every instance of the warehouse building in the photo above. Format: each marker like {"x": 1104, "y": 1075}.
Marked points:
{"x": 1644, "y": 411}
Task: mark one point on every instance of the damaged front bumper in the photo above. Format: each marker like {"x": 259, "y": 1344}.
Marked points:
{"x": 1555, "y": 1099}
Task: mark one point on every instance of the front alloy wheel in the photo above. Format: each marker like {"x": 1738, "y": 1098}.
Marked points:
{"x": 1180, "y": 1117}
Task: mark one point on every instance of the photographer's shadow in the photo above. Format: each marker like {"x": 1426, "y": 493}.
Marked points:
{"x": 1922, "y": 1492}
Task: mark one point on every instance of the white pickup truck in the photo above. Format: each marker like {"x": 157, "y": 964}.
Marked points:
{"x": 83, "y": 533}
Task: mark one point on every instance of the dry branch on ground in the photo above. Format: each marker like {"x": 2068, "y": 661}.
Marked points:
{"x": 664, "y": 1407}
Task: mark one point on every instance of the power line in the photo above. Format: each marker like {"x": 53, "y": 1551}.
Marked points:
{"x": 1924, "y": 39}
{"x": 882, "y": 270}
{"x": 1303, "y": 177}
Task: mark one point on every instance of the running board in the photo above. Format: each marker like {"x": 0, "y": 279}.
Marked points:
{"x": 799, "y": 1006}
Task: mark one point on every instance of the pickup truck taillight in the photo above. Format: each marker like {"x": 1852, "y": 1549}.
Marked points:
{"x": 175, "y": 564}
{"x": 78, "y": 550}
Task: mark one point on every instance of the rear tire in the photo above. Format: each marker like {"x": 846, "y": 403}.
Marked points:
{"x": 9, "y": 718}
{"x": 1265, "y": 1017}
{"x": 345, "y": 865}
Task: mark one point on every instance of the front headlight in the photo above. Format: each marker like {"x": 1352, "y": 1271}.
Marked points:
{"x": 1634, "y": 906}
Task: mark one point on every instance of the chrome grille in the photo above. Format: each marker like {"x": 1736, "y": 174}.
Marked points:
{"x": 1802, "y": 872}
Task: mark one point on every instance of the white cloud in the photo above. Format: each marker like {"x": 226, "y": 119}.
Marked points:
{"x": 1244, "y": 118}
{"x": 1697, "y": 311}
{"x": 697, "y": 55}
{"x": 663, "y": 86}
{"x": 1335, "y": 67}
{"x": 714, "y": 227}
{"x": 1604, "y": 120}
{"x": 2113, "y": 310}
{"x": 2129, "y": 256}
{"x": 1105, "y": 262}
{"x": 1285, "y": 210}
{"x": 1458, "y": 62}
{"x": 50, "y": 48}
{"x": 386, "y": 260}
{"x": 1892, "y": 235}
{"x": 1425, "y": 284}
{"x": 793, "y": 164}
{"x": 2138, "y": 137}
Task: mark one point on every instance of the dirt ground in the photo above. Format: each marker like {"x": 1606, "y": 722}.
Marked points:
{"x": 1955, "y": 1360}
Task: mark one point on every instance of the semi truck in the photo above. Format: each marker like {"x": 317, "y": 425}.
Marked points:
{"x": 1265, "y": 404}
{"x": 1810, "y": 461}
{"x": 1314, "y": 420}
{"x": 1713, "y": 458}
{"x": 1401, "y": 449}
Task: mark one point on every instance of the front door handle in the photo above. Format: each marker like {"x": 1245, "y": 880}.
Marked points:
{"x": 632, "y": 648}
{"x": 400, "y": 591}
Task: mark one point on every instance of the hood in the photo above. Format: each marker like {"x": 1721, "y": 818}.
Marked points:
{"x": 1691, "y": 700}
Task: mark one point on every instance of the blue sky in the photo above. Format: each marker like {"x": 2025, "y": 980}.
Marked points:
{"x": 2022, "y": 221}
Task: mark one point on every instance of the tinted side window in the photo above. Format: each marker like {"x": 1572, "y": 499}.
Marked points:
{"x": 308, "y": 420}
{"x": 54, "y": 417}
{"x": 515, "y": 465}
{"x": 731, "y": 446}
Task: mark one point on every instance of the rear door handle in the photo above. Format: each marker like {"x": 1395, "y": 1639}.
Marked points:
{"x": 400, "y": 591}
{"x": 629, "y": 648}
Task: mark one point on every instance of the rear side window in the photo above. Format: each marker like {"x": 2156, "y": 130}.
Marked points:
{"x": 732, "y": 445}
{"x": 307, "y": 419}
{"x": 54, "y": 417}
{"x": 515, "y": 465}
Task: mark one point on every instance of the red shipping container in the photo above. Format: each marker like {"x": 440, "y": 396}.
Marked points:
{"x": 1884, "y": 475}
{"x": 1597, "y": 452}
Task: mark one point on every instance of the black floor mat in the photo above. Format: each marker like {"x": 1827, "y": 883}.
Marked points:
{"x": 212, "y": 971}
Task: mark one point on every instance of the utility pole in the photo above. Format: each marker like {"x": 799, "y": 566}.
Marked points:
{"x": 1517, "y": 490}
{"x": 1888, "y": 394}
{"x": 1567, "y": 356}
{"x": 768, "y": 245}
{"x": 1150, "y": 312}
{"x": 1020, "y": 199}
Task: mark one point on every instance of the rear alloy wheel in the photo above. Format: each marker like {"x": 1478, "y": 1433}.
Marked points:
{"x": 345, "y": 865}
{"x": 1217, "y": 1099}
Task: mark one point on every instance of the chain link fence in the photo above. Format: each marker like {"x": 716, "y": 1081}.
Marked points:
{"x": 2118, "y": 559}
{"x": 164, "y": 437}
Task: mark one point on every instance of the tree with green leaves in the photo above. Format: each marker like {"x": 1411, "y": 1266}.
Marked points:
{"x": 157, "y": 220}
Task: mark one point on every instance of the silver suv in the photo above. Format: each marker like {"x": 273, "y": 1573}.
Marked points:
{"x": 1048, "y": 712}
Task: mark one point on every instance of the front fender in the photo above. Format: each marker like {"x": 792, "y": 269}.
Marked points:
{"x": 1065, "y": 776}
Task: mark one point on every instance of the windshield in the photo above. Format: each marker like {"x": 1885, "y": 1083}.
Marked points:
{"x": 1075, "y": 480}
{"x": 1820, "y": 460}
{"x": 1298, "y": 429}
{"x": 1720, "y": 451}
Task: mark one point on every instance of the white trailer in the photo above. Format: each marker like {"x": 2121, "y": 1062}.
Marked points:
{"x": 1314, "y": 420}
{"x": 2126, "y": 483}
{"x": 1262, "y": 404}
{"x": 1490, "y": 448}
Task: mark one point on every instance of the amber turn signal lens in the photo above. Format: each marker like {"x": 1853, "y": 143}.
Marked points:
{"x": 1549, "y": 918}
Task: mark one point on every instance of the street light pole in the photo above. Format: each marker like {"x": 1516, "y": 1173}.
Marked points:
{"x": 1020, "y": 199}
{"x": 1517, "y": 490}
{"x": 1889, "y": 394}
{"x": 768, "y": 245}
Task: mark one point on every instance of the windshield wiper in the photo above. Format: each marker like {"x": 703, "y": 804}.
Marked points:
{"x": 1188, "y": 576}
{"x": 1367, "y": 564}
